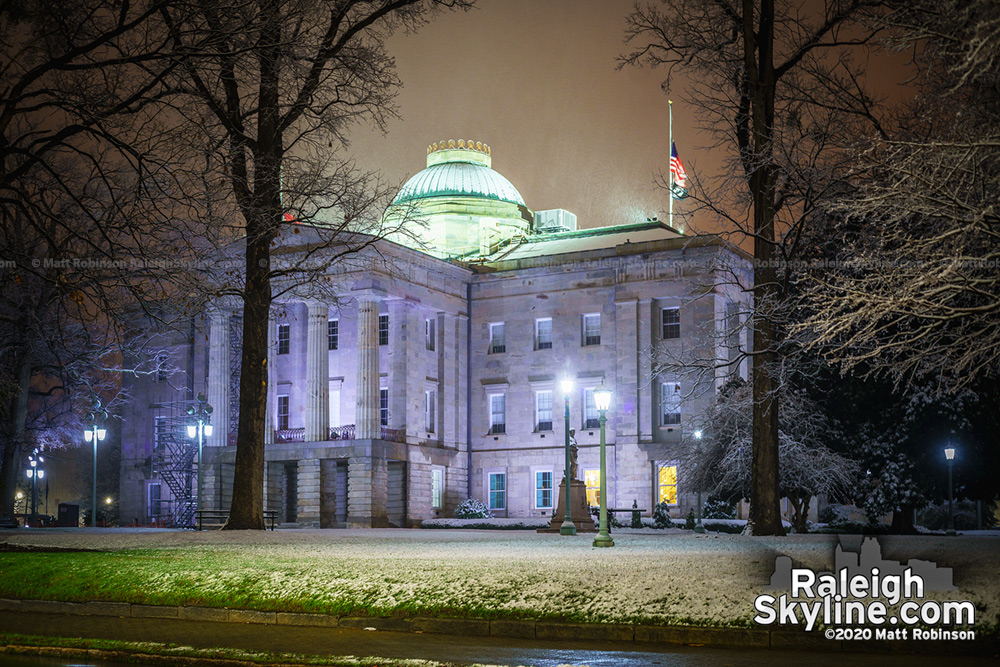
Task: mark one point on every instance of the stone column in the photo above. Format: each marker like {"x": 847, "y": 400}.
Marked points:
{"x": 317, "y": 426}
{"x": 646, "y": 416}
{"x": 218, "y": 376}
{"x": 307, "y": 509}
{"x": 367, "y": 408}
{"x": 272, "y": 378}
{"x": 367, "y": 497}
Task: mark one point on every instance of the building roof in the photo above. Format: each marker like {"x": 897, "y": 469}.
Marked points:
{"x": 582, "y": 240}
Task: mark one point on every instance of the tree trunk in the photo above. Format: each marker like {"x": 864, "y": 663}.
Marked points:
{"x": 800, "y": 512}
{"x": 765, "y": 512}
{"x": 903, "y": 521}
{"x": 14, "y": 432}
{"x": 262, "y": 215}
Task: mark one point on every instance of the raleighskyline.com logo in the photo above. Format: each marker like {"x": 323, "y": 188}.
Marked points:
{"x": 867, "y": 597}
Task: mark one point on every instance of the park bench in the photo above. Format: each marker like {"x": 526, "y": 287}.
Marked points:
{"x": 636, "y": 512}
{"x": 217, "y": 518}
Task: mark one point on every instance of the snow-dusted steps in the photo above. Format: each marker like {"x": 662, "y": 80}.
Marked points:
{"x": 716, "y": 637}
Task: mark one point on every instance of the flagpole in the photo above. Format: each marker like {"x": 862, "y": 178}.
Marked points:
{"x": 670, "y": 153}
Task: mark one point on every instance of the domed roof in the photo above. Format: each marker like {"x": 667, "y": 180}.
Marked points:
{"x": 454, "y": 170}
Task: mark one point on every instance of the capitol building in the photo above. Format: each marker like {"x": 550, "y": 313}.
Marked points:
{"x": 436, "y": 373}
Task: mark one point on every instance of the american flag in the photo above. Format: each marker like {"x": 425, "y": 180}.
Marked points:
{"x": 680, "y": 178}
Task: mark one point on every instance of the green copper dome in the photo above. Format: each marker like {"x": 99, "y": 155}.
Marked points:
{"x": 462, "y": 170}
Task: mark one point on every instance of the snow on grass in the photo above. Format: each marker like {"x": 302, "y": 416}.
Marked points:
{"x": 651, "y": 577}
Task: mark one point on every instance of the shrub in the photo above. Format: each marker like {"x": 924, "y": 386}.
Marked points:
{"x": 689, "y": 520}
{"x": 661, "y": 516}
{"x": 833, "y": 514}
{"x": 716, "y": 508}
{"x": 935, "y": 517}
{"x": 473, "y": 509}
{"x": 613, "y": 521}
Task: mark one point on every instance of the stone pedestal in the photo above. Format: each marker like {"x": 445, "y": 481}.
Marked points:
{"x": 581, "y": 509}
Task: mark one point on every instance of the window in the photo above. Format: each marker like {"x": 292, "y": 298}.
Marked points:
{"x": 429, "y": 334}
{"x": 161, "y": 366}
{"x": 543, "y": 334}
{"x": 543, "y": 489}
{"x": 670, "y": 403}
{"x": 437, "y": 488}
{"x": 592, "y": 478}
{"x": 283, "y": 412}
{"x": 498, "y": 413}
{"x": 543, "y": 410}
{"x": 498, "y": 342}
{"x": 666, "y": 484}
{"x": 592, "y": 329}
{"x": 332, "y": 334}
{"x": 429, "y": 410}
{"x": 284, "y": 338}
{"x": 160, "y": 433}
{"x": 591, "y": 418}
{"x": 383, "y": 329}
{"x": 498, "y": 490}
{"x": 670, "y": 320}
{"x": 383, "y": 407}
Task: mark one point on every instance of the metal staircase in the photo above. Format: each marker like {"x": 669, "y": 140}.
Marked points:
{"x": 173, "y": 461}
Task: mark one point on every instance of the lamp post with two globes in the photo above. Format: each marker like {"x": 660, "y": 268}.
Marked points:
{"x": 602, "y": 401}
{"x": 200, "y": 426}
{"x": 34, "y": 473}
{"x": 95, "y": 433}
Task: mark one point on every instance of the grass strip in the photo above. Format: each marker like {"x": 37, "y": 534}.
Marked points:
{"x": 173, "y": 654}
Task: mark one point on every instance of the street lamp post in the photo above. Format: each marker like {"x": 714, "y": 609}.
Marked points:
{"x": 949, "y": 454}
{"x": 34, "y": 474}
{"x": 95, "y": 433}
{"x": 567, "y": 527}
{"x": 698, "y": 528}
{"x": 200, "y": 426}
{"x": 602, "y": 401}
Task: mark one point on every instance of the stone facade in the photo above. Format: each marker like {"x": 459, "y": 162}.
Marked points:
{"x": 420, "y": 379}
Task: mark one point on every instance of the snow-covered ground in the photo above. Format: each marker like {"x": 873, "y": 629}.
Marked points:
{"x": 668, "y": 576}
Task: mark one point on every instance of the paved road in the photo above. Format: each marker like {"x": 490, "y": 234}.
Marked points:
{"x": 490, "y": 650}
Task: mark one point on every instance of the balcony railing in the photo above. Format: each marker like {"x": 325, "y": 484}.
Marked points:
{"x": 339, "y": 433}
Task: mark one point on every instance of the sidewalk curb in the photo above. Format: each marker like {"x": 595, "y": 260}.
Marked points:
{"x": 713, "y": 637}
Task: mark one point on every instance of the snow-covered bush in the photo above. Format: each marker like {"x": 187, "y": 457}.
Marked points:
{"x": 473, "y": 509}
{"x": 716, "y": 508}
{"x": 661, "y": 516}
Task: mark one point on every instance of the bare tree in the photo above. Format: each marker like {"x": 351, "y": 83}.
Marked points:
{"x": 266, "y": 91}
{"x": 720, "y": 461}
{"x": 776, "y": 86}
{"x": 916, "y": 293}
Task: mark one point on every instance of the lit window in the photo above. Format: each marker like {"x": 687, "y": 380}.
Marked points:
{"x": 283, "y": 412}
{"x": 383, "y": 407}
{"x": 592, "y": 329}
{"x": 498, "y": 490}
{"x": 592, "y": 478}
{"x": 429, "y": 334}
{"x": 332, "y": 334}
{"x": 498, "y": 413}
{"x": 670, "y": 403}
{"x": 543, "y": 410}
{"x": 437, "y": 488}
{"x": 670, "y": 320}
{"x": 666, "y": 485}
{"x": 543, "y": 334}
{"x": 591, "y": 418}
{"x": 284, "y": 338}
{"x": 543, "y": 489}
{"x": 383, "y": 329}
{"x": 429, "y": 410}
{"x": 498, "y": 341}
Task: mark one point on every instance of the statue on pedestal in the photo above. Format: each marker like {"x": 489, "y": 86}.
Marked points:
{"x": 573, "y": 450}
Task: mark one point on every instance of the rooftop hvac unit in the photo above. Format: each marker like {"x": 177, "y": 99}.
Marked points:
{"x": 554, "y": 220}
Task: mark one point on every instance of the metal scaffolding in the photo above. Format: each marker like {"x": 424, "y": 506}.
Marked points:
{"x": 173, "y": 462}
